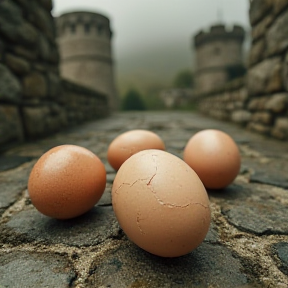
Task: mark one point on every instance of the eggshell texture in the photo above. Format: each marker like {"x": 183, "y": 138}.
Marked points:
{"x": 66, "y": 181}
{"x": 131, "y": 142}
{"x": 214, "y": 156}
{"x": 160, "y": 203}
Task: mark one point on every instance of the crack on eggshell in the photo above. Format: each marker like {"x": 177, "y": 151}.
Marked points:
{"x": 170, "y": 205}
{"x": 138, "y": 218}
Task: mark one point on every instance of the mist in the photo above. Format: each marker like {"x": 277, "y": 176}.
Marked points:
{"x": 152, "y": 40}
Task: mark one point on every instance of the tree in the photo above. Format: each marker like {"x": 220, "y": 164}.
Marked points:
{"x": 133, "y": 101}
{"x": 184, "y": 79}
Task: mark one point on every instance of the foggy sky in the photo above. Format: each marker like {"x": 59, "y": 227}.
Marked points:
{"x": 144, "y": 24}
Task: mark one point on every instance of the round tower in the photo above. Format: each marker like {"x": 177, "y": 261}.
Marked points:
{"x": 219, "y": 56}
{"x": 84, "y": 40}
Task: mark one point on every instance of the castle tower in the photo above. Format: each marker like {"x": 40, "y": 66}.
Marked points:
{"x": 219, "y": 56}
{"x": 84, "y": 40}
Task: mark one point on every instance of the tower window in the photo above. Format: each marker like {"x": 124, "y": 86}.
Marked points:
{"x": 87, "y": 28}
{"x": 100, "y": 29}
{"x": 73, "y": 28}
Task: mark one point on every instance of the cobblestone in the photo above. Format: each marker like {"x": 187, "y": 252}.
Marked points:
{"x": 245, "y": 247}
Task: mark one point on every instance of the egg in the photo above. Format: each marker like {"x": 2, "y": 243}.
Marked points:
{"x": 160, "y": 203}
{"x": 214, "y": 156}
{"x": 131, "y": 142}
{"x": 66, "y": 181}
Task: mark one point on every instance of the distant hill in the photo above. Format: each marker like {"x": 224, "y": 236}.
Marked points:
{"x": 156, "y": 66}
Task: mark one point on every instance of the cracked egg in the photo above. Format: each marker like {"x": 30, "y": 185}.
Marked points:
{"x": 160, "y": 203}
{"x": 131, "y": 142}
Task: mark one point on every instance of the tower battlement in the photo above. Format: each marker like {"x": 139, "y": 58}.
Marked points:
{"x": 85, "y": 46}
{"x": 69, "y": 23}
{"x": 219, "y": 32}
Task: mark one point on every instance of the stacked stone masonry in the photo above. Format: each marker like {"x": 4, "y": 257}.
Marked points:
{"x": 33, "y": 98}
{"x": 261, "y": 101}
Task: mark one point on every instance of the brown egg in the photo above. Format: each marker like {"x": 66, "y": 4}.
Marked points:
{"x": 131, "y": 142}
{"x": 214, "y": 156}
{"x": 66, "y": 181}
{"x": 160, "y": 203}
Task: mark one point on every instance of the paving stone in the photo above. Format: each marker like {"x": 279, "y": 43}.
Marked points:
{"x": 106, "y": 199}
{"x": 89, "y": 229}
{"x": 274, "y": 172}
{"x": 272, "y": 179}
{"x": 281, "y": 249}
{"x": 30, "y": 270}
{"x": 255, "y": 203}
{"x": 129, "y": 266}
{"x": 110, "y": 177}
{"x": 12, "y": 184}
{"x": 262, "y": 212}
{"x": 12, "y": 161}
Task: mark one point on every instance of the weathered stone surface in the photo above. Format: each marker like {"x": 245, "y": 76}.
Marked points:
{"x": 270, "y": 179}
{"x": 42, "y": 120}
{"x": 278, "y": 103}
{"x": 251, "y": 214}
{"x": 281, "y": 249}
{"x": 27, "y": 34}
{"x": 11, "y": 12}
{"x": 129, "y": 266}
{"x": 44, "y": 48}
{"x": 106, "y": 199}
{"x": 10, "y": 88}
{"x": 31, "y": 269}
{"x": 12, "y": 184}
{"x": 285, "y": 72}
{"x": 260, "y": 29}
{"x": 44, "y": 21}
{"x": 265, "y": 77}
{"x": 277, "y": 35}
{"x": 10, "y": 124}
{"x": 18, "y": 65}
{"x": 35, "y": 119}
{"x": 258, "y": 9}
{"x": 34, "y": 85}
{"x": 259, "y": 103}
{"x": 47, "y": 4}
{"x": 54, "y": 86}
{"x": 262, "y": 117}
{"x": 257, "y": 52}
{"x": 241, "y": 116}
{"x": 228, "y": 257}
{"x": 30, "y": 54}
{"x": 279, "y": 6}
{"x": 90, "y": 229}
{"x": 280, "y": 129}
{"x": 259, "y": 128}
{"x": 8, "y": 162}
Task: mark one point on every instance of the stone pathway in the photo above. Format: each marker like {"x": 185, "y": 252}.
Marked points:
{"x": 247, "y": 245}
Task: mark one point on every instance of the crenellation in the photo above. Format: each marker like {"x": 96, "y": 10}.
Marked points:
{"x": 237, "y": 33}
{"x": 213, "y": 67}
{"x": 83, "y": 22}
{"x": 84, "y": 40}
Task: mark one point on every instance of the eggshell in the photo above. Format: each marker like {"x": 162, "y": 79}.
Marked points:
{"x": 214, "y": 156}
{"x": 160, "y": 203}
{"x": 66, "y": 181}
{"x": 131, "y": 142}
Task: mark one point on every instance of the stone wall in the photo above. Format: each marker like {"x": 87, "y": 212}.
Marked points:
{"x": 261, "y": 101}
{"x": 34, "y": 101}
